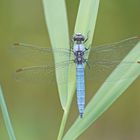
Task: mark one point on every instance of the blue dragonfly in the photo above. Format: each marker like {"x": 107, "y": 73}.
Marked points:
{"x": 101, "y": 62}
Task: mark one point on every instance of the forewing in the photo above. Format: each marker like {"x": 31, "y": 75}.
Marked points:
{"x": 32, "y": 53}
{"x": 104, "y": 59}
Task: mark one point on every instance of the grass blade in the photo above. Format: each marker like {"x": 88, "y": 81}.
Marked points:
{"x": 6, "y": 117}
{"x": 86, "y": 18}
{"x": 56, "y": 21}
{"x": 106, "y": 95}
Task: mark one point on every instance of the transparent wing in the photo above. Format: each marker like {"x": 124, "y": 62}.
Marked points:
{"x": 105, "y": 58}
{"x": 43, "y": 73}
{"x": 39, "y": 61}
{"x": 36, "y": 54}
{"x": 102, "y": 60}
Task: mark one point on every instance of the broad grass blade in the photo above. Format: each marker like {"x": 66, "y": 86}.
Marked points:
{"x": 56, "y": 21}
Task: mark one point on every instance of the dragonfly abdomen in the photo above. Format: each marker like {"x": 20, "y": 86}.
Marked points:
{"x": 80, "y": 81}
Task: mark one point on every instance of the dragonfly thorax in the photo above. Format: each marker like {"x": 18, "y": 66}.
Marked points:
{"x": 79, "y": 50}
{"x": 79, "y": 47}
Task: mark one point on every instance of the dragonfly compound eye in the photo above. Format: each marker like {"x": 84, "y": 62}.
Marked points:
{"x": 78, "y": 37}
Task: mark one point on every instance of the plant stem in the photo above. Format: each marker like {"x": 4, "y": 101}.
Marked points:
{"x": 62, "y": 126}
{"x": 6, "y": 117}
{"x": 64, "y": 119}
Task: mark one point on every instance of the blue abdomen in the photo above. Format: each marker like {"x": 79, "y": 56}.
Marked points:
{"x": 80, "y": 84}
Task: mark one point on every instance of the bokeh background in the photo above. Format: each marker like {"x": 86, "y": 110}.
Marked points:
{"x": 35, "y": 109}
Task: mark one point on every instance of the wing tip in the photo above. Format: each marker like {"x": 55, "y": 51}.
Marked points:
{"x": 19, "y": 70}
{"x": 138, "y": 37}
{"x": 16, "y": 44}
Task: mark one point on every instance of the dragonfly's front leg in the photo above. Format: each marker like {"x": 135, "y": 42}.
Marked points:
{"x": 86, "y": 37}
{"x": 72, "y": 41}
{"x": 86, "y": 49}
{"x": 86, "y": 61}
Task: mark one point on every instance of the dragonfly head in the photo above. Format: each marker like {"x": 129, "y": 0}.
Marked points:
{"x": 78, "y": 37}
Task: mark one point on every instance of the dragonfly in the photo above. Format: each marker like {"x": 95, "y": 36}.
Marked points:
{"x": 101, "y": 61}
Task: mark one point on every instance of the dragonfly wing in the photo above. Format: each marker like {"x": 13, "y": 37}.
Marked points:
{"x": 115, "y": 51}
{"x": 37, "y": 54}
{"x": 34, "y": 74}
{"x": 42, "y": 73}
{"x": 100, "y": 71}
{"x": 104, "y": 59}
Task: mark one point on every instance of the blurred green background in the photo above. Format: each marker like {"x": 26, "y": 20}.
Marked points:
{"x": 35, "y": 109}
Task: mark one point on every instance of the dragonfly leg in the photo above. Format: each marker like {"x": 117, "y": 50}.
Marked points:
{"x": 87, "y": 37}
{"x": 72, "y": 40}
{"x": 87, "y": 48}
{"x": 71, "y": 47}
{"x": 71, "y": 44}
{"x": 86, "y": 61}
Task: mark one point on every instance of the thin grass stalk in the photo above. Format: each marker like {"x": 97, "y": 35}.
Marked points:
{"x": 6, "y": 117}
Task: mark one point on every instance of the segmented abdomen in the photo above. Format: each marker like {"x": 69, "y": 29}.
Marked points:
{"x": 80, "y": 84}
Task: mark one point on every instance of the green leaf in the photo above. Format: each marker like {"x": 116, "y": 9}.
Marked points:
{"x": 107, "y": 94}
{"x": 56, "y": 21}
{"x": 86, "y": 18}
{"x": 6, "y": 117}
